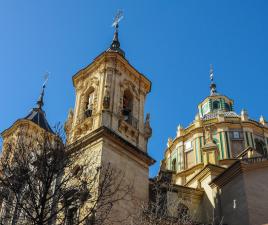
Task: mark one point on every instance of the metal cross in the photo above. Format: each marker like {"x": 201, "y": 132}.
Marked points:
{"x": 118, "y": 17}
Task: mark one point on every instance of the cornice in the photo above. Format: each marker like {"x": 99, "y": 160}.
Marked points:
{"x": 103, "y": 57}
{"x": 215, "y": 97}
{"x": 17, "y": 124}
{"x": 234, "y": 170}
{"x": 207, "y": 170}
{"x": 106, "y": 132}
{"x": 191, "y": 129}
{"x": 190, "y": 170}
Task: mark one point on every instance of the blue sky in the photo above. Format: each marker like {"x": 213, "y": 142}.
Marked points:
{"x": 171, "y": 42}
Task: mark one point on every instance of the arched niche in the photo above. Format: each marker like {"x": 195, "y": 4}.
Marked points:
{"x": 87, "y": 102}
{"x": 127, "y": 105}
{"x": 174, "y": 165}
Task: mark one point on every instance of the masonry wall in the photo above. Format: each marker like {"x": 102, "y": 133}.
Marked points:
{"x": 207, "y": 200}
{"x": 256, "y": 183}
{"x": 232, "y": 203}
{"x": 135, "y": 173}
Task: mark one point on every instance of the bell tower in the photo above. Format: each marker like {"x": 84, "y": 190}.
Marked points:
{"x": 110, "y": 92}
{"x": 108, "y": 118}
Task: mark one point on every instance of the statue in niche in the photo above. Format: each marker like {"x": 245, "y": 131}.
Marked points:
{"x": 147, "y": 126}
{"x": 106, "y": 99}
{"x": 89, "y": 104}
{"x": 209, "y": 134}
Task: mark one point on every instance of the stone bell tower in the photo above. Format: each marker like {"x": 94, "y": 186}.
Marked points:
{"x": 108, "y": 116}
{"x": 110, "y": 92}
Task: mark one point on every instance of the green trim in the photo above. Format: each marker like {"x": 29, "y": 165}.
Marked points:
{"x": 200, "y": 145}
{"x": 227, "y": 143}
{"x": 196, "y": 150}
{"x": 247, "y": 140}
{"x": 222, "y": 103}
{"x": 210, "y": 105}
{"x": 222, "y": 148}
{"x": 201, "y": 109}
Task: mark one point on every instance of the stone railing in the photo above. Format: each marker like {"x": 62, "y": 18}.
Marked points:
{"x": 131, "y": 120}
{"x": 83, "y": 116}
{"x": 255, "y": 159}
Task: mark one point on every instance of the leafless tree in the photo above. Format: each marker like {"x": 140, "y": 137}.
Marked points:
{"x": 160, "y": 210}
{"x": 43, "y": 182}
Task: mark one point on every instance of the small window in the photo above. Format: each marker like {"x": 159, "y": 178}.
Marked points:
{"x": 188, "y": 146}
{"x": 236, "y": 135}
{"x": 216, "y": 105}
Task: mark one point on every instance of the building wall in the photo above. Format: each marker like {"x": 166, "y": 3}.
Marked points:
{"x": 207, "y": 202}
{"x": 232, "y": 203}
{"x": 231, "y": 139}
{"x": 256, "y": 183}
{"x": 135, "y": 174}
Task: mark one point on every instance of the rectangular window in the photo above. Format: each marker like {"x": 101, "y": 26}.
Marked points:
{"x": 188, "y": 146}
{"x": 190, "y": 159}
{"x": 200, "y": 145}
{"x": 247, "y": 139}
{"x": 236, "y": 135}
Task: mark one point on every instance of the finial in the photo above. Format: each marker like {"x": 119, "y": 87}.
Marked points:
{"x": 262, "y": 120}
{"x": 212, "y": 84}
{"x": 244, "y": 115}
{"x": 40, "y": 101}
{"x": 115, "y": 46}
{"x": 118, "y": 17}
{"x": 211, "y": 73}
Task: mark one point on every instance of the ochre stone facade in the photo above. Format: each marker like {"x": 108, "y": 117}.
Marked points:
{"x": 208, "y": 148}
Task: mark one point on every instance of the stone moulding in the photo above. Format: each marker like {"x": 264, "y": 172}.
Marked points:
{"x": 104, "y": 131}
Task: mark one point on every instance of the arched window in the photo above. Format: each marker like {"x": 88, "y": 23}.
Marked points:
{"x": 89, "y": 103}
{"x": 260, "y": 147}
{"x": 174, "y": 165}
{"x": 227, "y": 107}
{"x": 127, "y": 105}
{"x": 216, "y": 105}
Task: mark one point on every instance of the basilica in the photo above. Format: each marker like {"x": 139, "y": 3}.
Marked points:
{"x": 217, "y": 166}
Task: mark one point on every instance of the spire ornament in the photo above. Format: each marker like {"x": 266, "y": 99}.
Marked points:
{"x": 40, "y": 101}
{"x": 115, "y": 45}
{"x": 213, "y": 89}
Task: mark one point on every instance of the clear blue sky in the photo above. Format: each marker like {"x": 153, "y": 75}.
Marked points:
{"x": 171, "y": 42}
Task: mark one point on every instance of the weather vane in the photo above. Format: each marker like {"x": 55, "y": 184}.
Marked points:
{"x": 45, "y": 79}
{"x": 118, "y": 17}
{"x": 211, "y": 72}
